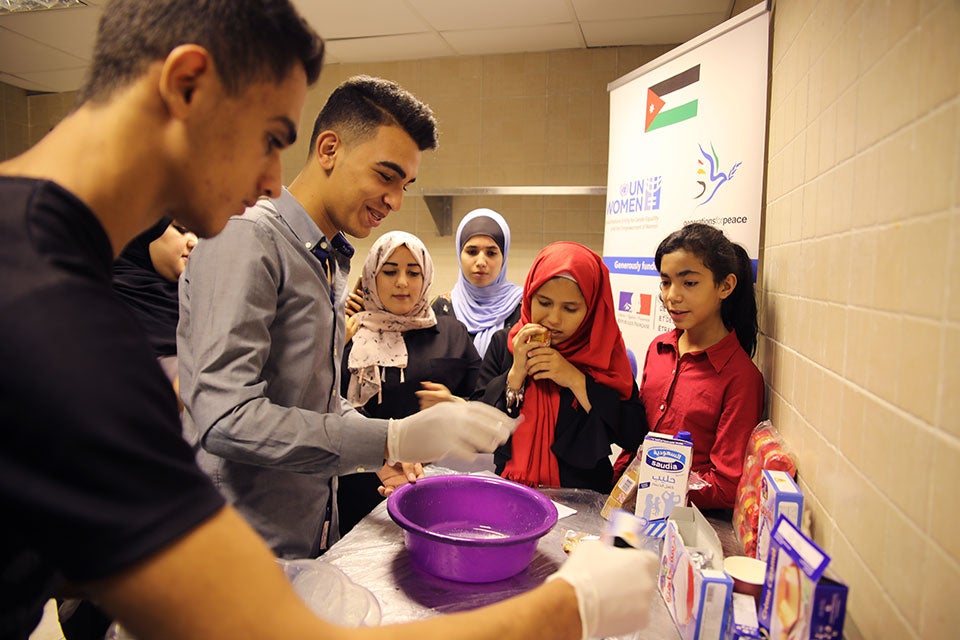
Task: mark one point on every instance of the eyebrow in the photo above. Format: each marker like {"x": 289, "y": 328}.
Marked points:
{"x": 477, "y": 245}
{"x": 397, "y": 168}
{"x": 291, "y": 128}
{"x": 397, "y": 264}
{"x": 686, "y": 272}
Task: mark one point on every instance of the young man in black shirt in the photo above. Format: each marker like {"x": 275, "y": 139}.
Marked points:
{"x": 184, "y": 114}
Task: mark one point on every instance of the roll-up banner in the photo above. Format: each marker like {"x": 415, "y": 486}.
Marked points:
{"x": 687, "y": 144}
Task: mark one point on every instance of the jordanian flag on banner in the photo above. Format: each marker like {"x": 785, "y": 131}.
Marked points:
{"x": 682, "y": 107}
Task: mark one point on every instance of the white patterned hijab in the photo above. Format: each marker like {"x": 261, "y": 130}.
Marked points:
{"x": 378, "y": 343}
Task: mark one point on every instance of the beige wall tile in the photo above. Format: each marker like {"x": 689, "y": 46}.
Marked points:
{"x": 515, "y": 75}
{"x": 852, "y": 430}
{"x": 884, "y": 333}
{"x": 945, "y": 477}
{"x": 933, "y": 165}
{"x": 940, "y": 617}
{"x": 833, "y": 337}
{"x": 846, "y": 123}
{"x": 866, "y": 175}
{"x": 891, "y": 272}
{"x": 903, "y": 571}
{"x": 885, "y": 24}
{"x": 920, "y": 347}
{"x": 938, "y": 80}
{"x": 948, "y": 418}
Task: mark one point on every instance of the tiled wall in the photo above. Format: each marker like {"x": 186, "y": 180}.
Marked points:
{"x": 861, "y": 295}
{"x": 14, "y": 121}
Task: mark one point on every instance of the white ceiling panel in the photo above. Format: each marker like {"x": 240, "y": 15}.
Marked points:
{"x": 21, "y": 54}
{"x": 445, "y": 15}
{"x": 404, "y": 47}
{"x": 662, "y": 30}
{"x": 23, "y": 83}
{"x": 605, "y": 10}
{"x": 70, "y": 31}
{"x": 57, "y": 80}
{"x": 354, "y": 19}
{"x": 514, "y": 40}
{"x": 48, "y": 50}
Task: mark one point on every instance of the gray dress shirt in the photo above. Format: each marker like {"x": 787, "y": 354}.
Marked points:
{"x": 259, "y": 343}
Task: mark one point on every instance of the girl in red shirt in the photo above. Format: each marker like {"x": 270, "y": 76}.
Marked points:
{"x": 700, "y": 377}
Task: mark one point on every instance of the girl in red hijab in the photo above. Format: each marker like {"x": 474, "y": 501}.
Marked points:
{"x": 564, "y": 368}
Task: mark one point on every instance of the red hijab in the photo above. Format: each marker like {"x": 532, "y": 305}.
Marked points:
{"x": 596, "y": 349}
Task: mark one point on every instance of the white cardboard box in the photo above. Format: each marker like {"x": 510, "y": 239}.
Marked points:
{"x": 779, "y": 496}
{"x": 694, "y": 587}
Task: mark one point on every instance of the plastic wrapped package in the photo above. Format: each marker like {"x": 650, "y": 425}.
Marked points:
{"x": 324, "y": 588}
{"x": 331, "y": 594}
{"x": 765, "y": 450}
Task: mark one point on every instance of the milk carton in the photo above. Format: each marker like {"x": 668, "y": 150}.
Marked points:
{"x": 662, "y": 476}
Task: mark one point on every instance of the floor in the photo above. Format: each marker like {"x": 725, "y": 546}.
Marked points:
{"x": 49, "y": 628}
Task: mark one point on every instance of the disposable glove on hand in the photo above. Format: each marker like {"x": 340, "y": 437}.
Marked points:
{"x": 461, "y": 429}
{"x": 614, "y": 587}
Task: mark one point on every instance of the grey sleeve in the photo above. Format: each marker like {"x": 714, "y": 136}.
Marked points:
{"x": 229, "y": 298}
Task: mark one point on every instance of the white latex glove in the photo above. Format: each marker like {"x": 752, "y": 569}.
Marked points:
{"x": 461, "y": 429}
{"x": 614, "y": 587}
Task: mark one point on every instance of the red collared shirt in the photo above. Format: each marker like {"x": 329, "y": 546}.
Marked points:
{"x": 716, "y": 395}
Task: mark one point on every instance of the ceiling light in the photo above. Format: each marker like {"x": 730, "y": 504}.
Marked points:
{"x": 16, "y": 6}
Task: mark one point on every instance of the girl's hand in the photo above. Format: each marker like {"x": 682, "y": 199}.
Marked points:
{"x": 393, "y": 476}
{"x": 355, "y": 300}
{"x": 546, "y": 363}
{"x": 435, "y": 393}
{"x": 528, "y": 341}
{"x": 354, "y": 306}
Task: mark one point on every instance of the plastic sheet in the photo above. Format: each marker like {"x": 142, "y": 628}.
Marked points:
{"x": 373, "y": 555}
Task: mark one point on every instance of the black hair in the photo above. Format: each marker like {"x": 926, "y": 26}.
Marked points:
{"x": 723, "y": 257}
{"x": 362, "y": 104}
{"x": 249, "y": 41}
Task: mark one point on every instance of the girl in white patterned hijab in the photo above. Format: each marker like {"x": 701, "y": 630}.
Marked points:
{"x": 397, "y": 275}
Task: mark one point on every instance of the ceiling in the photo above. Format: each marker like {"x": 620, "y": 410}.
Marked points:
{"x": 49, "y": 50}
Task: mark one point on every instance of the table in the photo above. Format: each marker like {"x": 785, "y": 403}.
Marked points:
{"x": 373, "y": 555}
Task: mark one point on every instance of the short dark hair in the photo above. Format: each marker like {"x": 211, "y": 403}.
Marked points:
{"x": 362, "y": 104}
{"x": 249, "y": 40}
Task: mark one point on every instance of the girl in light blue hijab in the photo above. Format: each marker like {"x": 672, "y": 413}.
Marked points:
{"x": 482, "y": 299}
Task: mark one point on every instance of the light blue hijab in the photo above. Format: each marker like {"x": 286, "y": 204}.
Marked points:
{"x": 483, "y": 310}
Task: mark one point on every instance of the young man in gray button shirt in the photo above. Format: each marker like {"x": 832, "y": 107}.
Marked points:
{"x": 262, "y": 326}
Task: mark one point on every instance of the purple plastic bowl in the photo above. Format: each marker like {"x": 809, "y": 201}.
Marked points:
{"x": 471, "y": 528}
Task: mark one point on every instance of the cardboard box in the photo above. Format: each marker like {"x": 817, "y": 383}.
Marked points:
{"x": 743, "y": 620}
{"x": 779, "y": 496}
{"x": 798, "y": 601}
{"x": 695, "y": 589}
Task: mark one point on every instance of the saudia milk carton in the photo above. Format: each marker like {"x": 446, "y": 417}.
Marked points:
{"x": 662, "y": 478}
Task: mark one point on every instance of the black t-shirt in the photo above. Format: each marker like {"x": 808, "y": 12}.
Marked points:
{"x": 94, "y": 473}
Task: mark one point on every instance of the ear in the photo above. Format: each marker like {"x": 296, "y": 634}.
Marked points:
{"x": 186, "y": 68}
{"x": 728, "y": 285}
{"x": 326, "y": 148}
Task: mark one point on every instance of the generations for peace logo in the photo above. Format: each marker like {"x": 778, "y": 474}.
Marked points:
{"x": 657, "y": 116}
{"x": 716, "y": 178}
